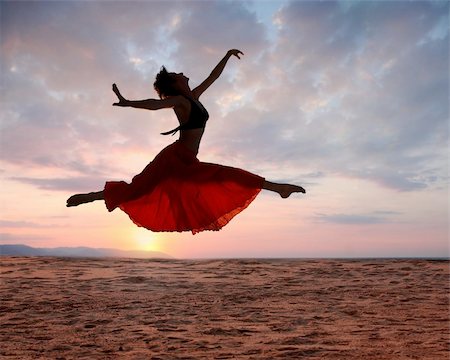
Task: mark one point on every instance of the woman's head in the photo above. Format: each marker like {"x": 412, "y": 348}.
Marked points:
{"x": 168, "y": 83}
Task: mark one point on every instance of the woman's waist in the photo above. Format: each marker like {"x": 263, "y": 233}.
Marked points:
{"x": 191, "y": 139}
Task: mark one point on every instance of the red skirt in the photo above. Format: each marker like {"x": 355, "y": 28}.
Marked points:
{"x": 177, "y": 192}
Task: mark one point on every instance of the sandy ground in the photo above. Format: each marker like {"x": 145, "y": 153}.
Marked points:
{"x": 53, "y": 308}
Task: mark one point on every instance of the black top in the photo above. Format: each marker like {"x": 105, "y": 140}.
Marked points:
{"x": 197, "y": 118}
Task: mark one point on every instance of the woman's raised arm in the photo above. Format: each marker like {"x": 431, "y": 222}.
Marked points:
{"x": 148, "y": 104}
{"x": 216, "y": 72}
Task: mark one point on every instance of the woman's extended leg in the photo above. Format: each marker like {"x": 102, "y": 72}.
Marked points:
{"x": 79, "y": 199}
{"x": 284, "y": 190}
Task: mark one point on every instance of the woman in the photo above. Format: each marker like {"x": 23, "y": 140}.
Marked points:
{"x": 177, "y": 192}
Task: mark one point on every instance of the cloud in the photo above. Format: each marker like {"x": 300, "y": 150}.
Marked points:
{"x": 327, "y": 93}
{"x": 8, "y": 238}
{"x": 23, "y": 224}
{"x": 58, "y": 63}
{"x": 357, "y": 95}
{"x": 355, "y": 89}
{"x": 17, "y": 224}
{"x": 378, "y": 217}
{"x": 76, "y": 184}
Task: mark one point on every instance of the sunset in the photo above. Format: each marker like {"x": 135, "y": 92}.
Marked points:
{"x": 323, "y": 166}
{"x": 347, "y": 99}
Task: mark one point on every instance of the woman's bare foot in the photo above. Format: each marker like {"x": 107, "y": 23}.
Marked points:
{"x": 117, "y": 92}
{"x": 79, "y": 199}
{"x": 286, "y": 190}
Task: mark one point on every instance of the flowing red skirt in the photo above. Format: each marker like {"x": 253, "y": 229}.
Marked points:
{"x": 177, "y": 192}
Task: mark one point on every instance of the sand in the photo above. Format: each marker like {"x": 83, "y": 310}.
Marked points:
{"x": 55, "y": 308}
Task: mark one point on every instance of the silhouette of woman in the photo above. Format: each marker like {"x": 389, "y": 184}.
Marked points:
{"x": 176, "y": 191}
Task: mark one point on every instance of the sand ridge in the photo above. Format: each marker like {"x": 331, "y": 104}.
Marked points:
{"x": 69, "y": 308}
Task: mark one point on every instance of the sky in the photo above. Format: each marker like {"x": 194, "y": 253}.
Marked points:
{"x": 349, "y": 99}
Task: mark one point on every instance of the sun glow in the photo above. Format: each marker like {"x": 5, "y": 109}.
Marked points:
{"x": 145, "y": 240}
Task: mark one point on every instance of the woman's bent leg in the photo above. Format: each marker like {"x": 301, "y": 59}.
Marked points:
{"x": 79, "y": 199}
{"x": 284, "y": 190}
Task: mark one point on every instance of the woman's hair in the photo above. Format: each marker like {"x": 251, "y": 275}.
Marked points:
{"x": 163, "y": 84}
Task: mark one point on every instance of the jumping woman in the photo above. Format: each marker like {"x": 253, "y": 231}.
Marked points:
{"x": 176, "y": 191}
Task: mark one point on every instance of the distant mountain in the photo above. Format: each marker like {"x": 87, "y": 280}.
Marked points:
{"x": 24, "y": 250}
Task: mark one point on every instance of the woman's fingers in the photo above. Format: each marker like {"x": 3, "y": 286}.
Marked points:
{"x": 115, "y": 89}
{"x": 236, "y": 53}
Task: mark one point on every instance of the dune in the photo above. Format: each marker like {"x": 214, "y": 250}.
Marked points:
{"x": 78, "y": 308}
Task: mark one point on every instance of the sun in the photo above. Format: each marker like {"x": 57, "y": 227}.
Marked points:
{"x": 145, "y": 240}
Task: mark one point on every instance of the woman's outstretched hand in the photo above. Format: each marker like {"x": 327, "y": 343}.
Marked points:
{"x": 235, "y": 52}
{"x": 122, "y": 100}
